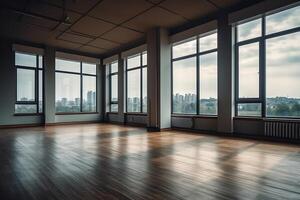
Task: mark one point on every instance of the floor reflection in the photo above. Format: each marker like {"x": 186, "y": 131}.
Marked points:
{"x": 103, "y": 161}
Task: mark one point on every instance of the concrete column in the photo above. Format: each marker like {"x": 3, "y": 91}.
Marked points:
{"x": 121, "y": 90}
{"x": 49, "y": 85}
{"x": 225, "y": 76}
{"x": 159, "y": 79}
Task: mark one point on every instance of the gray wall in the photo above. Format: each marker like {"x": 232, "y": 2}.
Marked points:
{"x": 8, "y": 81}
{"x": 196, "y": 123}
{"x": 8, "y": 89}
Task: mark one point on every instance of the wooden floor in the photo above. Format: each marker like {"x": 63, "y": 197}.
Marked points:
{"x": 102, "y": 161}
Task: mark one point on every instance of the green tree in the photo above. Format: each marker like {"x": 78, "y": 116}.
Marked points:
{"x": 296, "y": 109}
{"x": 282, "y": 109}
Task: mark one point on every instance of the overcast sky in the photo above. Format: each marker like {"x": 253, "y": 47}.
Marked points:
{"x": 282, "y": 56}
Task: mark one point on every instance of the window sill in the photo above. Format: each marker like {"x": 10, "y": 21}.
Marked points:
{"x": 28, "y": 114}
{"x": 115, "y": 113}
{"x": 247, "y": 118}
{"x": 132, "y": 113}
{"x": 194, "y": 116}
{"x": 76, "y": 113}
{"x": 282, "y": 119}
{"x": 279, "y": 119}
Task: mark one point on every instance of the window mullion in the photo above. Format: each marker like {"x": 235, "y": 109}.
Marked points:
{"x": 262, "y": 74}
{"x": 198, "y": 77}
{"x": 37, "y": 84}
{"x": 126, "y": 85}
{"x": 236, "y": 53}
{"x": 141, "y": 84}
{"x": 109, "y": 86}
{"x": 81, "y": 88}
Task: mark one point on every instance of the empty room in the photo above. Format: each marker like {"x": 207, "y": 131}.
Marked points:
{"x": 149, "y": 99}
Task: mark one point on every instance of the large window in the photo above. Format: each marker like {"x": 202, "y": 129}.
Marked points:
{"x": 75, "y": 86}
{"x": 136, "y": 75}
{"x": 268, "y": 65}
{"x": 113, "y": 86}
{"x": 29, "y": 83}
{"x": 194, "y": 76}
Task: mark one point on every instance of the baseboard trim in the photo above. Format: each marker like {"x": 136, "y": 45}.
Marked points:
{"x": 72, "y": 123}
{"x": 153, "y": 129}
{"x": 20, "y": 126}
{"x": 235, "y": 135}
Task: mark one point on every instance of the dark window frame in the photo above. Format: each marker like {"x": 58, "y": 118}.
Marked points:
{"x": 141, "y": 67}
{"x": 261, "y": 40}
{"x": 81, "y": 74}
{"x": 36, "y": 70}
{"x": 197, "y": 56}
{"x": 110, "y": 75}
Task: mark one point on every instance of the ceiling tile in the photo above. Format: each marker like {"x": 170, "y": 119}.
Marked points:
{"x": 90, "y": 49}
{"x": 155, "y": 1}
{"x": 190, "y": 9}
{"x": 105, "y": 44}
{"x": 74, "y": 38}
{"x": 81, "y": 6}
{"x": 91, "y": 26}
{"x": 42, "y": 23}
{"x": 46, "y": 10}
{"x": 118, "y": 11}
{"x": 122, "y": 35}
{"x": 63, "y": 44}
{"x": 155, "y": 17}
{"x": 16, "y": 4}
{"x": 53, "y": 12}
{"x": 26, "y": 32}
{"x": 226, "y": 3}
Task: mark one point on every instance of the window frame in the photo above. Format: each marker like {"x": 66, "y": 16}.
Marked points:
{"x": 81, "y": 74}
{"x": 141, "y": 67}
{"x": 36, "y": 70}
{"x": 110, "y": 75}
{"x": 262, "y": 63}
{"x": 197, "y": 56}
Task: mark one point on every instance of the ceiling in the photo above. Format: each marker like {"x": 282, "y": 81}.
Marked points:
{"x": 98, "y": 26}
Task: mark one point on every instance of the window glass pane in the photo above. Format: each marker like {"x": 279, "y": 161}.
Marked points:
{"x": 67, "y": 65}
{"x": 249, "y": 109}
{"x": 114, "y": 67}
{"x": 284, "y": 20}
{"x": 249, "y": 71}
{"x": 89, "y": 94}
{"x": 144, "y": 90}
{"x": 23, "y": 59}
{"x": 184, "y": 86}
{"x": 208, "y": 42}
{"x": 25, "y": 85}
{"x": 40, "y": 91}
{"x": 208, "y": 84}
{"x": 249, "y": 30}
{"x": 184, "y": 49}
{"x": 25, "y": 108}
{"x": 67, "y": 87}
{"x": 134, "y": 91}
{"x": 283, "y": 75}
{"x": 114, "y": 88}
{"x": 144, "y": 58}
{"x": 89, "y": 68}
{"x": 113, "y": 107}
{"x": 41, "y": 62}
{"x": 134, "y": 61}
